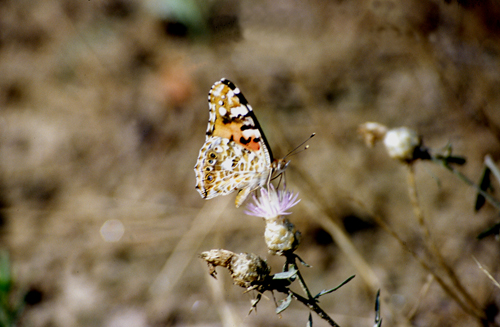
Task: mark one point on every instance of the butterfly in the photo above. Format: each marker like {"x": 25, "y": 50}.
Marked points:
{"x": 236, "y": 154}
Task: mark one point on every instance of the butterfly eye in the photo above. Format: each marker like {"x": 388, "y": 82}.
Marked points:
{"x": 209, "y": 178}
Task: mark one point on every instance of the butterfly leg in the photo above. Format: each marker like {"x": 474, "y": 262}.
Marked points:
{"x": 268, "y": 180}
{"x": 283, "y": 176}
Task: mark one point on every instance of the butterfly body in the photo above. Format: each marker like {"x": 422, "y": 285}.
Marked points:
{"x": 236, "y": 155}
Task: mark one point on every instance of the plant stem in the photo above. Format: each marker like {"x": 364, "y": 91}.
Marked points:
{"x": 312, "y": 305}
{"x": 412, "y": 188}
{"x": 488, "y": 161}
{"x": 378, "y": 219}
{"x": 303, "y": 284}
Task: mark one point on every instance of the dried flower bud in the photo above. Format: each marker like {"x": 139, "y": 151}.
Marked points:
{"x": 401, "y": 143}
{"x": 216, "y": 258}
{"x": 372, "y": 132}
{"x": 247, "y": 269}
{"x": 281, "y": 235}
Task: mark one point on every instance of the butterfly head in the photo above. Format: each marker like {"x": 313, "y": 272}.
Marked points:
{"x": 279, "y": 166}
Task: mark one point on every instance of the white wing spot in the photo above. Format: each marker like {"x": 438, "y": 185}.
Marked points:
{"x": 217, "y": 90}
{"x": 251, "y": 133}
{"x": 222, "y": 111}
{"x": 236, "y": 91}
{"x": 226, "y": 164}
{"x": 239, "y": 111}
{"x": 238, "y": 151}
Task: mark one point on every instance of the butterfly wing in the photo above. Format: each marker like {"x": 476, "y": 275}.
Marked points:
{"x": 236, "y": 155}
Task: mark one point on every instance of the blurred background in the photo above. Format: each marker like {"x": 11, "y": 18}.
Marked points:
{"x": 103, "y": 110}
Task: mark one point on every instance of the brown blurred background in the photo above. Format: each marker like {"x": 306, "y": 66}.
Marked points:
{"x": 103, "y": 109}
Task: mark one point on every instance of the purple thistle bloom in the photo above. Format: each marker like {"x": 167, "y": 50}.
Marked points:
{"x": 272, "y": 203}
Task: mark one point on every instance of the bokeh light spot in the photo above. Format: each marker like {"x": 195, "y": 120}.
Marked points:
{"x": 112, "y": 230}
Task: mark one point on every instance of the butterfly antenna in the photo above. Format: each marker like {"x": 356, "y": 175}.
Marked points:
{"x": 294, "y": 151}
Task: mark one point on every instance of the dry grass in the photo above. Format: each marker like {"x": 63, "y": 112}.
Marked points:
{"x": 102, "y": 114}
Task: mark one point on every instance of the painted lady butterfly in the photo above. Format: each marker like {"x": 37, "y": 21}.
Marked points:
{"x": 236, "y": 155}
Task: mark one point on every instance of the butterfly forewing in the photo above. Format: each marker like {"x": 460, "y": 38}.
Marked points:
{"x": 236, "y": 155}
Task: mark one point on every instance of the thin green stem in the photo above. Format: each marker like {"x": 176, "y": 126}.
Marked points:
{"x": 291, "y": 260}
{"x": 303, "y": 284}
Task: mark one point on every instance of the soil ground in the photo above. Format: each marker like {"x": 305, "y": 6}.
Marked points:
{"x": 103, "y": 109}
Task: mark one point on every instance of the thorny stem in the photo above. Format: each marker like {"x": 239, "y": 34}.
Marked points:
{"x": 412, "y": 188}
{"x": 312, "y": 304}
{"x": 310, "y": 301}
{"x": 291, "y": 262}
{"x": 303, "y": 284}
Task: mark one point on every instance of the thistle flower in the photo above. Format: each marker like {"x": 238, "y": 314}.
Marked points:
{"x": 401, "y": 143}
{"x": 281, "y": 235}
{"x": 272, "y": 203}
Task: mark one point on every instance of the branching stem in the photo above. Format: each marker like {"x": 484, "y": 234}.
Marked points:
{"x": 312, "y": 304}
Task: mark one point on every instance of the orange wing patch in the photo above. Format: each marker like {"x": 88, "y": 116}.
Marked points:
{"x": 235, "y": 131}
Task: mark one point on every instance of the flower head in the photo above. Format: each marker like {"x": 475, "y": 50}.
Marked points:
{"x": 247, "y": 269}
{"x": 372, "y": 132}
{"x": 272, "y": 203}
{"x": 281, "y": 236}
{"x": 401, "y": 143}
